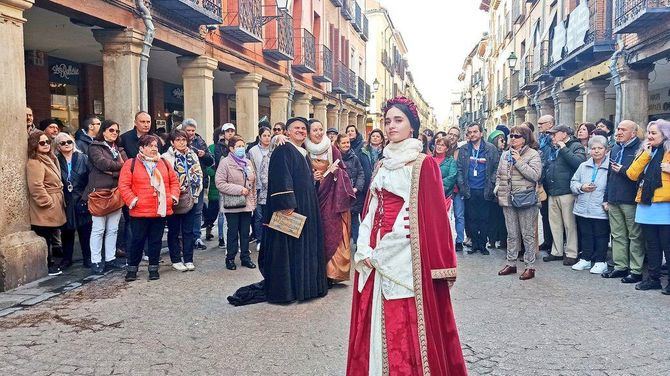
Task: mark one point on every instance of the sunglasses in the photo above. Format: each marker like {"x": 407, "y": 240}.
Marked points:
{"x": 277, "y": 129}
{"x": 112, "y": 130}
{"x": 43, "y": 143}
{"x": 63, "y": 143}
{"x": 515, "y": 136}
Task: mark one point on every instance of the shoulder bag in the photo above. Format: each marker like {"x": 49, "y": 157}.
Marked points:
{"x": 522, "y": 199}
{"x": 102, "y": 202}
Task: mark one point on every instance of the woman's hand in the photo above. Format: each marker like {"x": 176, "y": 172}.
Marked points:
{"x": 280, "y": 139}
{"x": 588, "y": 187}
{"x": 286, "y": 212}
{"x": 606, "y": 206}
{"x": 515, "y": 155}
{"x": 665, "y": 167}
{"x": 318, "y": 175}
{"x": 368, "y": 263}
{"x": 647, "y": 147}
{"x": 245, "y": 191}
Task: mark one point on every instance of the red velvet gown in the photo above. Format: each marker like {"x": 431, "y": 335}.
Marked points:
{"x": 419, "y": 333}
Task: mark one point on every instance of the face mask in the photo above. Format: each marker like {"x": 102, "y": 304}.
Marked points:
{"x": 240, "y": 152}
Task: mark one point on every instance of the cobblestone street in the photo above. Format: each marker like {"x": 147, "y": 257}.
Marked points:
{"x": 561, "y": 323}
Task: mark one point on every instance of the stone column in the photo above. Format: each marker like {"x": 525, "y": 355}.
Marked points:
{"x": 566, "y": 108}
{"x": 301, "y": 104}
{"x": 246, "y": 104}
{"x": 360, "y": 124}
{"x": 547, "y": 107}
{"x": 321, "y": 112}
{"x": 279, "y": 103}
{"x": 333, "y": 117}
{"x": 121, "y": 73}
{"x": 198, "y": 77}
{"x": 352, "y": 118}
{"x": 593, "y": 100}
{"x": 23, "y": 255}
{"x": 531, "y": 115}
{"x": 344, "y": 119}
{"x": 519, "y": 116}
{"x": 635, "y": 94}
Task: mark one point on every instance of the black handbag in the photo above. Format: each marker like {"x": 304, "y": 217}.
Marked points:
{"x": 524, "y": 199}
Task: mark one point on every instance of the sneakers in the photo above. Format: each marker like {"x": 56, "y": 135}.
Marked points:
{"x": 189, "y": 266}
{"x": 153, "y": 273}
{"x": 131, "y": 274}
{"x": 97, "y": 268}
{"x": 113, "y": 265}
{"x": 599, "y": 268}
{"x": 459, "y": 247}
{"x": 55, "y": 270}
{"x": 199, "y": 244}
{"x": 222, "y": 244}
{"x": 179, "y": 266}
{"x": 208, "y": 233}
{"x": 582, "y": 265}
{"x": 258, "y": 247}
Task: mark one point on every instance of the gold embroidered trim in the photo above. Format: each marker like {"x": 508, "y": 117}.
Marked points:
{"x": 444, "y": 273}
{"x": 281, "y": 193}
{"x": 416, "y": 260}
{"x": 386, "y": 370}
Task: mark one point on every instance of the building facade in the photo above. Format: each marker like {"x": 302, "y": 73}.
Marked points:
{"x": 213, "y": 60}
{"x": 577, "y": 60}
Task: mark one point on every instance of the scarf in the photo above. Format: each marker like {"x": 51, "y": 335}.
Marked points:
{"x": 318, "y": 150}
{"x": 112, "y": 148}
{"x": 156, "y": 181}
{"x": 651, "y": 178}
{"x": 398, "y": 154}
{"x": 189, "y": 172}
{"x": 439, "y": 158}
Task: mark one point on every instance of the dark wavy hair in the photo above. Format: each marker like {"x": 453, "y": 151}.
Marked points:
{"x": 527, "y": 135}
{"x": 176, "y": 133}
{"x": 34, "y": 142}
{"x": 103, "y": 127}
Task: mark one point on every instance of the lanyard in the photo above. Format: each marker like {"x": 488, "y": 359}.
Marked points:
{"x": 619, "y": 156}
{"x": 653, "y": 154}
{"x": 594, "y": 175}
{"x": 69, "y": 170}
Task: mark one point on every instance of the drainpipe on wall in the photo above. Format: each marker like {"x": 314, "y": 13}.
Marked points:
{"x": 144, "y": 56}
{"x": 616, "y": 78}
{"x": 554, "y": 92}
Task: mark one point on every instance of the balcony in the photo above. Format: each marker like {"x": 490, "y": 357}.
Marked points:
{"x": 357, "y": 22}
{"x": 340, "y": 79}
{"x": 241, "y": 21}
{"x": 347, "y": 9}
{"x": 324, "y": 65}
{"x": 514, "y": 85}
{"x": 364, "y": 33}
{"x": 634, "y": 16}
{"x": 597, "y": 45}
{"x": 351, "y": 84}
{"x": 386, "y": 61}
{"x": 367, "y": 95}
{"x": 526, "y": 81}
{"x": 305, "y": 56}
{"x": 337, "y": 3}
{"x": 518, "y": 11}
{"x": 198, "y": 12}
{"x": 278, "y": 43}
{"x": 360, "y": 94}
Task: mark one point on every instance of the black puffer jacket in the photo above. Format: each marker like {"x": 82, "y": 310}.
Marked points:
{"x": 83, "y": 141}
{"x": 620, "y": 189}
{"x": 357, "y": 176}
{"x": 76, "y": 210}
{"x": 560, "y": 165}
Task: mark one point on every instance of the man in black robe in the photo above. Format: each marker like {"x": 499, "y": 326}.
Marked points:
{"x": 294, "y": 269}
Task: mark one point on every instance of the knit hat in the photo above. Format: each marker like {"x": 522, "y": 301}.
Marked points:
{"x": 495, "y": 134}
{"x": 503, "y": 128}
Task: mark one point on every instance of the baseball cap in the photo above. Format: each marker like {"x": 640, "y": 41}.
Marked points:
{"x": 560, "y": 128}
{"x": 227, "y": 126}
{"x": 332, "y": 130}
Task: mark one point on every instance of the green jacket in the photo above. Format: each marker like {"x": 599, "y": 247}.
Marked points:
{"x": 212, "y": 192}
{"x": 449, "y": 171}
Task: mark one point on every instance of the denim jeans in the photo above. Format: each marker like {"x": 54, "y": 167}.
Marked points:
{"x": 181, "y": 224}
{"x": 197, "y": 215}
{"x": 459, "y": 215}
{"x": 146, "y": 230}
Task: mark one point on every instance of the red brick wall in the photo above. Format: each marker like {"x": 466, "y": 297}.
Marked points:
{"x": 221, "y": 110}
{"x": 38, "y": 96}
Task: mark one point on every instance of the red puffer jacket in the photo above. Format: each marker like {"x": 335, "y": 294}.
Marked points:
{"x": 136, "y": 184}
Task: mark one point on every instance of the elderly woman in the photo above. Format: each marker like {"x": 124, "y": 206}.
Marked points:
{"x": 46, "y": 201}
{"x": 236, "y": 181}
{"x": 589, "y": 183}
{"x": 652, "y": 169}
{"x": 150, "y": 188}
{"x": 519, "y": 172}
{"x": 186, "y": 165}
{"x": 74, "y": 175}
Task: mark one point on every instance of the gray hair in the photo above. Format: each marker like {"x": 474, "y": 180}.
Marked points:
{"x": 598, "y": 139}
{"x": 189, "y": 123}
{"x": 663, "y": 127}
{"x": 63, "y": 136}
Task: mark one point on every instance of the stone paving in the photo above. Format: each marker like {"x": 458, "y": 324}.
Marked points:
{"x": 561, "y": 323}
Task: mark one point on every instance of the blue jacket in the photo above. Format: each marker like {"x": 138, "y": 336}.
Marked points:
{"x": 620, "y": 189}
{"x": 590, "y": 204}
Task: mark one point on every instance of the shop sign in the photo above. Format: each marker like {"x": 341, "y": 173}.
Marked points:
{"x": 558, "y": 43}
{"x": 578, "y": 26}
{"x": 63, "y": 71}
{"x": 659, "y": 102}
{"x": 174, "y": 94}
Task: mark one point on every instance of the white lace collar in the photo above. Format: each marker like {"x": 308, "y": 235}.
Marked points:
{"x": 398, "y": 154}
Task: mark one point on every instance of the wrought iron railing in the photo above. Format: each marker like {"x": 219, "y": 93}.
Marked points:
{"x": 340, "y": 78}
{"x": 200, "y": 12}
{"x": 365, "y": 33}
{"x": 357, "y": 22}
{"x": 351, "y": 83}
{"x": 279, "y": 38}
{"x": 337, "y": 3}
{"x": 627, "y": 11}
{"x": 347, "y": 10}
{"x": 360, "y": 94}
{"x": 305, "y": 54}
{"x": 324, "y": 65}
{"x": 367, "y": 95}
{"x": 240, "y": 22}
{"x": 600, "y": 22}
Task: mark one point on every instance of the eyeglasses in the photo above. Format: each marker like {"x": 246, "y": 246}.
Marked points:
{"x": 112, "y": 130}
{"x": 515, "y": 136}
{"x": 63, "y": 143}
{"x": 43, "y": 143}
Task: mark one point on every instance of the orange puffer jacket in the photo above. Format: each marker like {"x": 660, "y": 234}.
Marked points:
{"x": 136, "y": 184}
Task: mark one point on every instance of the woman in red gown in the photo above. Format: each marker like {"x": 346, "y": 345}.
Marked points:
{"x": 402, "y": 321}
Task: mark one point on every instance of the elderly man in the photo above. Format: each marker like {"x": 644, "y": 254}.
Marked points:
{"x": 30, "y": 120}
{"x": 627, "y": 243}
{"x": 560, "y": 164}
{"x": 130, "y": 140}
{"x": 545, "y": 123}
{"x": 332, "y": 135}
{"x": 199, "y": 146}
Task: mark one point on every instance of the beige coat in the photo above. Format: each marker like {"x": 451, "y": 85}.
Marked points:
{"x": 47, "y": 204}
{"x": 230, "y": 181}
{"x": 521, "y": 176}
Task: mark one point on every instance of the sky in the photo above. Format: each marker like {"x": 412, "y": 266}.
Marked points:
{"x": 439, "y": 34}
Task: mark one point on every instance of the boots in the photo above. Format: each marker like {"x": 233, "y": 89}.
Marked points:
{"x": 153, "y": 272}
{"x": 131, "y": 273}
{"x": 208, "y": 233}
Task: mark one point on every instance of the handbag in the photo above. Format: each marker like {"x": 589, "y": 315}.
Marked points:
{"x": 102, "y": 202}
{"x": 524, "y": 199}
{"x": 185, "y": 203}
{"x": 234, "y": 201}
